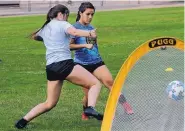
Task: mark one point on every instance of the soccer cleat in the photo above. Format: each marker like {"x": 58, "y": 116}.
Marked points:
{"x": 21, "y": 123}
{"x": 84, "y": 117}
{"x": 127, "y": 107}
{"x": 91, "y": 112}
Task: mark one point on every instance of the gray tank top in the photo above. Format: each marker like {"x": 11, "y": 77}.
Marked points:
{"x": 56, "y": 40}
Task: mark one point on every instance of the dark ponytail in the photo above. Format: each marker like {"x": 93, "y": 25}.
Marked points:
{"x": 78, "y": 16}
{"x": 52, "y": 13}
{"x": 83, "y": 7}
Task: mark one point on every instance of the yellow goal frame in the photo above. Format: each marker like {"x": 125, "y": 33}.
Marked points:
{"x": 125, "y": 69}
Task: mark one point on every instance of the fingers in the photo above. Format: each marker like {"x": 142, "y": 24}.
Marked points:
{"x": 94, "y": 30}
{"x": 89, "y": 46}
{"x": 93, "y": 33}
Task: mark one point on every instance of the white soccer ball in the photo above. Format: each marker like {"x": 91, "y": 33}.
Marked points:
{"x": 175, "y": 90}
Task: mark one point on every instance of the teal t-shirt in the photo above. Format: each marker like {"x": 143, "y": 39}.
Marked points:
{"x": 86, "y": 56}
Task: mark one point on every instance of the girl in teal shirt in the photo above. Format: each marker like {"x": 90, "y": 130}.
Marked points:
{"x": 87, "y": 55}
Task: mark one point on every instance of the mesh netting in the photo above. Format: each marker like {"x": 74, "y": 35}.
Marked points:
{"x": 145, "y": 88}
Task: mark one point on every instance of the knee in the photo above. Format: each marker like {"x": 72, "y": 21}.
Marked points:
{"x": 94, "y": 82}
{"x": 98, "y": 84}
{"x": 108, "y": 83}
{"x": 49, "y": 105}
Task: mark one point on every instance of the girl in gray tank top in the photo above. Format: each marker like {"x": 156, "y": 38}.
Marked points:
{"x": 55, "y": 35}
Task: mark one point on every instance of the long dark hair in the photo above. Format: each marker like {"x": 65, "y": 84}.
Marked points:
{"x": 52, "y": 13}
{"x": 83, "y": 7}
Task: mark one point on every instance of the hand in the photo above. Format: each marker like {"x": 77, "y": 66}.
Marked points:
{"x": 89, "y": 46}
{"x": 93, "y": 33}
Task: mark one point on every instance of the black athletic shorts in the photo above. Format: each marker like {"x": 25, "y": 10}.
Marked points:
{"x": 59, "y": 70}
{"x": 92, "y": 67}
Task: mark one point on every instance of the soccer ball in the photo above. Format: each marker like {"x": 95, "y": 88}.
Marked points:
{"x": 175, "y": 90}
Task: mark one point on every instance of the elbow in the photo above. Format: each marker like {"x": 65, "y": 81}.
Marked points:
{"x": 37, "y": 38}
{"x": 71, "y": 48}
{"x": 75, "y": 33}
{"x": 32, "y": 37}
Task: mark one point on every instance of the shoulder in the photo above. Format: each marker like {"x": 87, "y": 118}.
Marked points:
{"x": 76, "y": 25}
{"x": 65, "y": 23}
{"x": 59, "y": 23}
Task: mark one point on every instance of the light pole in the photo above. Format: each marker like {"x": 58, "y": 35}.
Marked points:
{"x": 138, "y": 2}
{"x": 102, "y": 3}
{"x": 29, "y": 6}
{"x": 50, "y": 4}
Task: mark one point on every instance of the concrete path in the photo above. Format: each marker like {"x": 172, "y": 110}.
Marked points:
{"x": 16, "y": 11}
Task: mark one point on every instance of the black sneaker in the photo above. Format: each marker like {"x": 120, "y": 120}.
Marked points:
{"x": 91, "y": 112}
{"x": 21, "y": 123}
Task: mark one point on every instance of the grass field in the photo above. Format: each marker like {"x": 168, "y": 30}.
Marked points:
{"x": 22, "y": 70}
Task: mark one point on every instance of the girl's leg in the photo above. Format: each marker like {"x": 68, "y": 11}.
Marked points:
{"x": 82, "y": 77}
{"x": 104, "y": 75}
{"x": 85, "y": 98}
{"x": 85, "y": 103}
{"x": 53, "y": 94}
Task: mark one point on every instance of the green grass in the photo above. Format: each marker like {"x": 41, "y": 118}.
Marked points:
{"x": 22, "y": 72}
